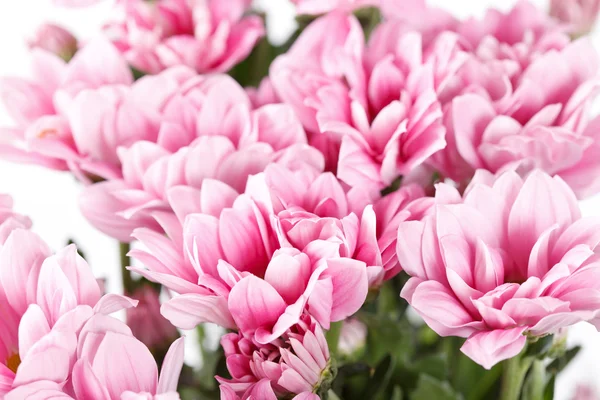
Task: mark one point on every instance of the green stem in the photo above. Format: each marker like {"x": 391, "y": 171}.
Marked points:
{"x": 125, "y": 274}
{"x": 515, "y": 370}
{"x": 536, "y": 383}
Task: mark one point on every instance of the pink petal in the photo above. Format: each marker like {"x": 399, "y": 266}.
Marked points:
{"x": 254, "y": 303}
{"x": 171, "y": 368}
{"x": 21, "y": 257}
{"x": 350, "y": 286}
{"x": 86, "y": 384}
{"x": 123, "y": 363}
{"x": 442, "y": 311}
{"x": 189, "y": 310}
{"x": 489, "y": 348}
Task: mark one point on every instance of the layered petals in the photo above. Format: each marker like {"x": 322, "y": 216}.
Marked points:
{"x": 205, "y": 36}
{"x": 511, "y": 258}
{"x": 293, "y": 365}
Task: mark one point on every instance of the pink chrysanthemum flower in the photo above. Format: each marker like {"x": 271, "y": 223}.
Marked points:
{"x": 373, "y": 111}
{"x": 297, "y": 363}
{"x": 511, "y": 258}
{"x": 529, "y": 120}
{"x": 75, "y": 115}
{"x": 208, "y": 36}
{"x": 210, "y": 140}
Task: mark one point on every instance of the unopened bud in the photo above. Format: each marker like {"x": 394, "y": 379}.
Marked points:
{"x": 56, "y": 40}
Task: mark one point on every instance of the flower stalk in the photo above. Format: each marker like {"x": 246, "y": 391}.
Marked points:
{"x": 515, "y": 370}
{"x": 125, "y": 262}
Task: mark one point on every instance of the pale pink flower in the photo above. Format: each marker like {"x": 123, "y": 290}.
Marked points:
{"x": 510, "y": 258}
{"x": 208, "y": 36}
{"x": 209, "y": 138}
{"x": 55, "y": 332}
{"x": 296, "y": 363}
{"x": 533, "y": 122}
{"x": 89, "y": 354}
{"x": 313, "y": 7}
{"x": 580, "y": 15}
{"x": 37, "y": 291}
{"x": 61, "y": 115}
{"x": 54, "y": 39}
{"x": 375, "y": 109}
{"x": 146, "y": 322}
{"x": 112, "y": 364}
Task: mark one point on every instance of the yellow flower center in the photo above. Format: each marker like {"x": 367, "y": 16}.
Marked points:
{"x": 13, "y": 362}
{"x": 46, "y": 133}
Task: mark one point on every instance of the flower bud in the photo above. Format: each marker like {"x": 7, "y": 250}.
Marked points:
{"x": 56, "y": 40}
{"x": 146, "y": 322}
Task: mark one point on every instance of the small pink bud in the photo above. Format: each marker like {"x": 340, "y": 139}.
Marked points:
{"x": 56, "y": 40}
{"x": 146, "y": 322}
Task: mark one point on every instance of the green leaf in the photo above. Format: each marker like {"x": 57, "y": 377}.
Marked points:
{"x": 395, "y": 185}
{"x": 380, "y": 379}
{"x": 255, "y": 67}
{"x": 429, "y": 388}
{"x": 387, "y": 300}
{"x": 549, "y": 392}
{"x": 369, "y": 18}
{"x": 433, "y": 365}
{"x": 333, "y": 336}
{"x": 560, "y": 363}
{"x": 482, "y": 383}
{"x": 351, "y": 373}
{"x": 387, "y": 336}
{"x": 137, "y": 74}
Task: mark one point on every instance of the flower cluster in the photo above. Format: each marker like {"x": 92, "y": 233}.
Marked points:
{"x": 389, "y": 147}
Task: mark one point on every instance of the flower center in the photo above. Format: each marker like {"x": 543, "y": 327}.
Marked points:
{"x": 13, "y": 362}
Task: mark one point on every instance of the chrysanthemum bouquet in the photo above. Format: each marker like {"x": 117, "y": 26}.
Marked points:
{"x": 383, "y": 207}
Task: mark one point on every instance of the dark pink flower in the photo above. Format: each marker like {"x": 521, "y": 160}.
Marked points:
{"x": 296, "y": 363}
{"x": 373, "y": 111}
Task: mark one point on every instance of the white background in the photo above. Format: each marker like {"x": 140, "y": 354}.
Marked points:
{"x": 50, "y": 198}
